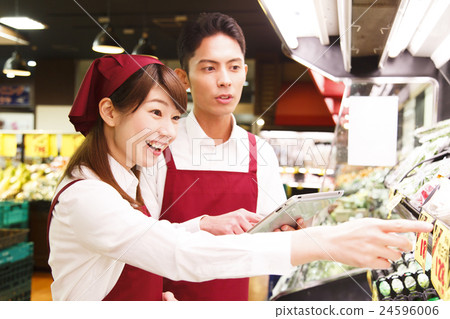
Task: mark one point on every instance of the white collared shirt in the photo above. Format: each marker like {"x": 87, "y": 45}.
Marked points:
{"x": 94, "y": 232}
{"x": 194, "y": 150}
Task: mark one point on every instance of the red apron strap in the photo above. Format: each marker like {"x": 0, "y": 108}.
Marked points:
{"x": 253, "y": 163}
{"x": 54, "y": 202}
{"x": 169, "y": 159}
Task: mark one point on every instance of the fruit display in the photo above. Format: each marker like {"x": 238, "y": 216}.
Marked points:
{"x": 30, "y": 181}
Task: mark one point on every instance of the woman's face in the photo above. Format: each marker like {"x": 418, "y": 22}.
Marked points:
{"x": 140, "y": 137}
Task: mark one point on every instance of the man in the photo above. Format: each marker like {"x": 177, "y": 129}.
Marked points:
{"x": 215, "y": 167}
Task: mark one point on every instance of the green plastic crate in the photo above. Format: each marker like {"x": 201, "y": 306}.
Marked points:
{"x": 16, "y": 253}
{"x": 13, "y": 214}
{"x": 15, "y": 280}
{"x": 12, "y": 236}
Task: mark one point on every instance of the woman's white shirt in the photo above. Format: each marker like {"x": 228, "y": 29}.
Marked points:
{"x": 94, "y": 232}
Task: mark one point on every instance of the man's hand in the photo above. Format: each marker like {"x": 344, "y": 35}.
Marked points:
{"x": 236, "y": 222}
{"x": 300, "y": 225}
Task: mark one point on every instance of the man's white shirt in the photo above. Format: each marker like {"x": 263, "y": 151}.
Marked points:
{"x": 194, "y": 150}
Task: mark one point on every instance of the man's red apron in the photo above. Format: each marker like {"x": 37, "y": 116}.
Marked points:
{"x": 212, "y": 193}
{"x": 134, "y": 284}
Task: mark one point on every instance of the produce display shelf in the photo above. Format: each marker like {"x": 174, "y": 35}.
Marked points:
{"x": 351, "y": 285}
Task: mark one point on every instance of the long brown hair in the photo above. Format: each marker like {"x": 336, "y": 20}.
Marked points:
{"x": 93, "y": 152}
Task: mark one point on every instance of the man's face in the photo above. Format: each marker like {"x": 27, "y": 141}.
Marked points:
{"x": 216, "y": 76}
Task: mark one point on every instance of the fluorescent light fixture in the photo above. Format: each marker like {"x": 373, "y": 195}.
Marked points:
{"x": 441, "y": 55}
{"x": 321, "y": 25}
{"x": 307, "y": 18}
{"x": 22, "y": 23}
{"x": 408, "y": 18}
{"x": 432, "y": 30}
{"x": 345, "y": 33}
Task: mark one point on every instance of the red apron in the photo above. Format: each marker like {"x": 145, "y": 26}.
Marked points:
{"x": 134, "y": 284}
{"x": 214, "y": 193}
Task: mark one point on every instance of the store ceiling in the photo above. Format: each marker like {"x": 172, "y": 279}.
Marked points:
{"x": 71, "y": 25}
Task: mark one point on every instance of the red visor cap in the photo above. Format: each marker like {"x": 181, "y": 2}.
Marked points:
{"x": 105, "y": 75}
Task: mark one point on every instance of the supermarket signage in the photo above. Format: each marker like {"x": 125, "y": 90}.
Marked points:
{"x": 15, "y": 95}
{"x": 440, "y": 260}
{"x": 420, "y": 251}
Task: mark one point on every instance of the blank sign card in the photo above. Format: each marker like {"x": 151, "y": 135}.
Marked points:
{"x": 372, "y": 130}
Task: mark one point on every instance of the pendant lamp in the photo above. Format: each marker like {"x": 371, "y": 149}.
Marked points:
{"x": 106, "y": 42}
{"x": 144, "y": 46}
{"x": 16, "y": 65}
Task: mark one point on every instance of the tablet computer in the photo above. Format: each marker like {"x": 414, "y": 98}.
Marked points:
{"x": 307, "y": 206}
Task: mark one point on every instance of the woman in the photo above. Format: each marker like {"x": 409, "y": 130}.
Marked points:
{"x": 104, "y": 245}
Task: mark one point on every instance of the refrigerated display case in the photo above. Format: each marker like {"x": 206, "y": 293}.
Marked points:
{"x": 370, "y": 190}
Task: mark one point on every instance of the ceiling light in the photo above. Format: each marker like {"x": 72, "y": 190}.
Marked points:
{"x": 307, "y": 18}
{"x": 31, "y": 63}
{"x": 441, "y": 55}
{"x": 10, "y": 37}
{"x": 144, "y": 46}
{"x": 106, "y": 42}
{"x": 260, "y": 122}
{"x": 16, "y": 65}
{"x": 22, "y": 23}
{"x": 405, "y": 25}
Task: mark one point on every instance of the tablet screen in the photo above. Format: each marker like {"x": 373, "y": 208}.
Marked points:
{"x": 311, "y": 207}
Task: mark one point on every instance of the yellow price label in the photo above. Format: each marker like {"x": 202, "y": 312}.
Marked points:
{"x": 70, "y": 143}
{"x": 440, "y": 260}
{"x": 53, "y": 145}
{"x": 41, "y": 145}
{"x": 8, "y": 145}
{"x": 420, "y": 251}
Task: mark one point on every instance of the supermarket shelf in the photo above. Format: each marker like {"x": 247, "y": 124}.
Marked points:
{"x": 406, "y": 210}
{"x": 351, "y": 285}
